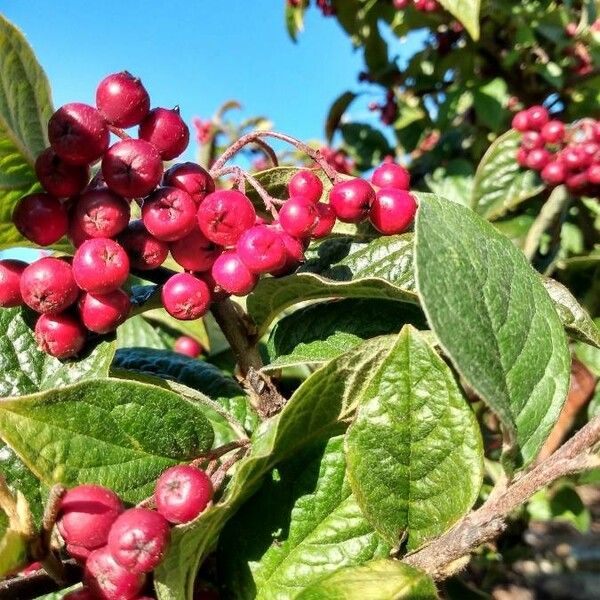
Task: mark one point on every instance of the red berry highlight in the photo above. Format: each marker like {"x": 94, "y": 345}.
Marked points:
{"x": 188, "y": 346}
{"x": 58, "y": 178}
{"x": 102, "y": 313}
{"x": 101, "y": 213}
{"x": 41, "y": 218}
{"x": 61, "y": 336}
{"x": 326, "y": 219}
{"x": 195, "y": 252}
{"x": 100, "y": 266}
{"x": 108, "y": 580}
{"x": 224, "y": 215}
{"x": 391, "y": 175}
{"x": 392, "y": 211}
{"x": 185, "y": 297}
{"x": 231, "y": 274}
{"x": 351, "y": 200}
{"x": 305, "y": 184}
{"x": 261, "y": 249}
{"x": 122, "y": 99}
{"x": 166, "y": 131}
{"x": 10, "y": 282}
{"x": 298, "y": 217}
{"x": 169, "y": 214}
{"x": 48, "y": 285}
{"x": 190, "y": 178}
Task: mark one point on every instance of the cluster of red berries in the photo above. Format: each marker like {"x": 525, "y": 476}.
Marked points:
{"x": 119, "y": 547}
{"x": 420, "y": 5}
{"x": 562, "y": 154}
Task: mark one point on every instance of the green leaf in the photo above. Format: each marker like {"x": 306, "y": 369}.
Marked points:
{"x": 137, "y": 332}
{"x": 494, "y": 319}
{"x": 173, "y": 328}
{"x": 375, "y": 580}
{"x": 589, "y": 355}
{"x": 382, "y": 268}
{"x": 13, "y": 552}
{"x": 453, "y": 181}
{"x": 323, "y": 331}
{"x": 366, "y": 145}
{"x": 121, "y": 434}
{"x": 467, "y": 12}
{"x": 294, "y": 19}
{"x": 500, "y": 183}
{"x": 562, "y": 504}
{"x": 414, "y": 451}
{"x": 336, "y": 112}
{"x": 303, "y": 524}
{"x": 489, "y": 101}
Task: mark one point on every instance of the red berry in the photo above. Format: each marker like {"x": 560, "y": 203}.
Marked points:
{"x": 392, "y": 211}
{"x": 138, "y": 539}
{"x": 144, "y": 250}
{"x": 101, "y": 213}
{"x": 571, "y": 29}
{"x": 76, "y": 233}
{"x": 132, "y": 168}
{"x": 48, "y": 285}
{"x": 81, "y": 594}
{"x": 571, "y": 157}
{"x": 307, "y": 185}
{"x": 186, "y": 297}
{"x": 79, "y": 553}
{"x": 32, "y": 568}
{"x": 188, "y": 346}
{"x": 108, "y": 580}
{"x": 532, "y": 140}
{"x": 537, "y": 117}
{"x": 190, "y": 178}
{"x": 122, "y": 99}
{"x": 554, "y": 173}
{"x": 86, "y": 513}
{"x": 592, "y": 174}
{"x": 166, "y": 131}
{"x": 261, "y": 249}
{"x": 391, "y": 175}
{"x": 538, "y": 158}
{"x": 100, "y": 266}
{"x": 58, "y": 178}
{"x": 400, "y": 4}
{"x": 231, "y": 274}
{"x": 521, "y": 122}
{"x": 590, "y": 151}
{"x": 294, "y": 252}
{"x": 553, "y": 132}
{"x": 169, "y": 214}
{"x": 351, "y": 200}
{"x": 577, "y": 182}
{"x": 41, "y": 218}
{"x": 522, "y": 155}
{"x": 325, "y": 221}
{"x": 298, "y": 217}
{"x": 10, "y": 280}
{"x": 224, "y": 215}
{"x": 78, "y": 133}
{"x": 182, "y": 493}
{"x": 102, "y": 313}
{"x": 195, "y": 252}
{"x": 61, "y": 336}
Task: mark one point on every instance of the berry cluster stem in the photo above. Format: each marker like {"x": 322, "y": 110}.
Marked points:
{"x": 119, "y": 132}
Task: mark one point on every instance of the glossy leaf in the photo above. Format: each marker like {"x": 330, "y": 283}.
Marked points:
{"x": 137, "y": 332}
{"x": 336, "y": 112}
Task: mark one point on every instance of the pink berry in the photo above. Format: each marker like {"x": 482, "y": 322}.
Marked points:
{"x": 10, "y": 282}
{"x": 305, "y": 184}
{"x": 41, "y": 218}
{"x": 537, "y": 116}
{"x": 571, "y": 157}
{"x": 231, "y": 274}
{"x": 144, "y": 250}
{"x": 298, "y": 217}
{"x": 61, "y": 336}
{"x": 391, "y": 175}
{"x": 190, "y": 178}
{"x": 522, "y": 155}
{"x": 325, "y": 221}
{"x": 132, "y": 168}
{"x": 81, "y": 594}
{"x": 169, "y": 214}
{"x": 392, "y": 211}
{"x": 100, "y": 265}
{"x": 79, "y": 553}
{"x": 294, "y": 253}
{"x": 166, "y": 131}
{"x": 538, "y": 158}
{"x": 182, "y": 493}
{"x": 592, "y": 174}
{"x": 195, "y": 252}
{"x": 571, "y": 29}
{"x": 78, "y": 133}
{"x": 188, "y": 346}
{"x": 590, "y": 152}
{"x": 577, "y": 182}
{"x": 86, "y": 514}
{"x": 554, "y": 173}
{"x": 102, "y": 313}
{"x": 76, "y": 234}
{"x": 261, "y": 249}
{"x": 138, "y": 539}
{"x": 351, "y": 200}
{"x": 48, "y": 285}
{"x": 58, "y": 178}
{"x": 224, "y": 215}
{"x": 122, "y": 99}
{"x": 553, "y": 132}
{"x": 532, "y": 140}
{"x": 101, "y": 213}
{"x": 217, "y": 293}
{"x": 400, "y": 4}
{"x": 108, "y": 580}
{"x": 186, "y": 297}
{"x": 521, "y": 122}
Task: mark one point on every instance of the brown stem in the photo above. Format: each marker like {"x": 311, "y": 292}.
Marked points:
{"x": 219, "y": 475}
{"x": 221, "y": 451}
{"x": 39, "y": 583}
{"x": 119, "y": 132}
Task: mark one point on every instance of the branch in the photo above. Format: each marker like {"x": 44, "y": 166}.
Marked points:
{"x": 488, "y": 521}
{"x": 39, "y": 583}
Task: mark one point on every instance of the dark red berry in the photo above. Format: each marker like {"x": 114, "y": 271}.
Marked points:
{"x": 78, "y": 133}
{"x": 166, "y": 131}
{"x": 224, "y": 215}
{"x": 391, "y": 175}
{"x": 298, "y": 217}
{"x": 132, "y": 168}
{"x": 537, "y": 117}
{"x": 392, "y": 211}
{"x": 195, "y": 252}
{"x": 41, "y": 218}
{"x": 182, "y": 493}
{"x": 521, "y": 122}
{"x": 532, "y": 140}
{"x": 79, "y": 553}
{"x": 138, "y": 539}
{"x": 100, "y": 266}
{"x": 108, "y": 580}
{"x": 76, "y": 233}
{"x": 81, "y": 594}
{"x": 554, "y": 173}
{"x": 188, "y": 346}
{"x": 122, "y": 99}
{"x": 577, "y": 182}
{"x": 61, "y": 336}
{"x": 10, "y": 282}
{"x": 325, "y": 221}
{"x": 538, "y": 158}
{"x": 144, "y": 250}
{"x": 351, "y": 200}
{"x": 261, "y": 249}
{"x": 48, "y": 285}
{"x": 553, "y": 132}
{"x": 231, "y": 274}
{"x": 592, "y": 175}
{"x": 294, "y": 252}
{"x": 102, "y": 313}
{"x": 101, "y": 213}
{"x": 58, "y": 178}
{"x": 305, "y": 184}
{"x": 185, "y": 297}
{"x": 169, "y": 214}
{"x": 190, "y": 178}
{"x": 217, "y": 293}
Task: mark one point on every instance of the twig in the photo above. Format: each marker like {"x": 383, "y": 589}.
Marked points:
{"x": 219, "y": 475}
{"x": 221, "y": 451}
{"x": 119, "y": 132}
{"x": 38, "y": 583}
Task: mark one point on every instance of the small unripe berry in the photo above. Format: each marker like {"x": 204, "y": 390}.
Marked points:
{"x": 537, "y": 117}
{"x": 101, "y": 213}
{"x": 138, "y": 539}
{"x": 132, "y": 168}
{"x": 391, "y": 175}
{"x": 520, "y": 121}
{"x": 188, "y": 346}
{"x": 325, "y": 221}
{"x": 122, "y": 99}
{"x": 182, "y": 493}
{"x": 554, "y": 173}
{"x": 538, "y": 158}
{"x": 351, "y": 200}
{"x": 298, "y": 217}
{"x": 58, "y": 178}
{"x": 41, "y": 218}
{"x": 231, "y": 274}
{"x": 61, "y": 336}
{"x": 78, "y": 133}
{"x": 224, "y": 215}
{"x": 305, "y": 184}
{"x": 195, "y": 252}
{"x": 166, "y": 131}
{"x": 48, "y": 285}
{"x": 261, "y": 249}
{"x": 10, "y": 282}
{"x": 392, "y": 211}
{"x": 102, "y": 313}
{"x": 108, "y": 580}
{"x": 190, "y": 178}
{"x": 100, "y": 266}
{"x": 185, "y": 297}
{"x": 553, "y": 132}
{"x": 169, "y": 214}
{"x": 81, "y": 594}
{"x": 144, "y": 250}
